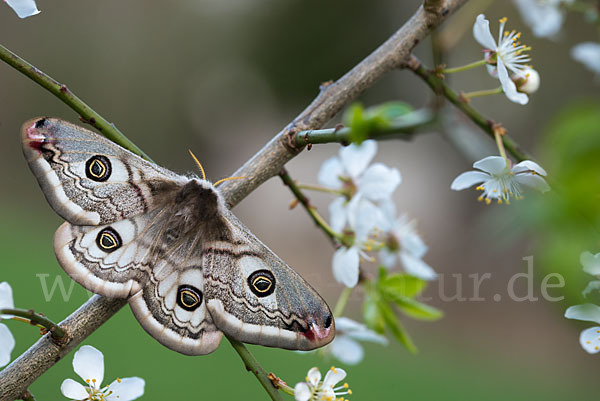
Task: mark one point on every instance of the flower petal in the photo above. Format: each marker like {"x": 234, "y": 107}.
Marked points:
{"x": 127, "y": 389}
{"x": 495, "y": 165}
{"x": 6, "y": 298}
{"x": 544, "y": 18}
{"x": 302, "y": 392}
{"x": 379, "y": 182}
{"x": 416, "y": 267}
{"x": 338, "y": 213}
{"x": 387, "y": 259}
{"x": 73, "y": 390}
{"x": 357, "y": 331}
{"x": 314, "y": 376}
{"x": 533, "y": 181}
{"x": 588, "y": 53}
{"x": 346, "y": 350}
{"x": 482, "y": 34}
{"x": 468, "y": 179}
{"x": 592, "y": 286}
{"x": 590, "y": 340}
{"x": 508, "y": 86}
{"x": 23, "y": 8}
{"x": 529, "y": 165}
{"x": 333, "y": 376}
{"x": 88, "y": 363}
{"x": 356, "y": 158}
{"x": 345, "y": 266}
{"x": 590, "y": 263}
{"x": 7, "y": 344}
{"x": 330, "y": 173}
{"x": 363, "y": 216}
{"x": 587, "y": 312}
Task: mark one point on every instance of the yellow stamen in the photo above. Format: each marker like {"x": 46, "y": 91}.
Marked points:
{"x": 480, "y": 198}
{"x": 349, "y": 391}
{"x": 499, "y": 201}
{"x": 198, "y": 163}
{"x": 227, "y": 179}
{"x": 487, "y": 201}
{"x": 479, "y": 188}
{"x": 503, "y": 20}
{"x": 118, "y": 380}
{"x": 345, "y": 385}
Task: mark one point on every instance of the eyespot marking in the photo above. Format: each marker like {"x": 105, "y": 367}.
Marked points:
{"x": 261, "y": 283}
{"x": 98, "y": 168}
{"x": 188, "y": 297}
{"x": 108, "y": 240}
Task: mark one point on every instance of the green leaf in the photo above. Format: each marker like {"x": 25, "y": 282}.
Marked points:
{"x": 371, "y": 314}
{"x": 401, "y": 284}
{"x": 418, "y": 310}
{"x": 355, "y": 119}
{"x": 395, "y": 327}
{"x": 381, "y": 116}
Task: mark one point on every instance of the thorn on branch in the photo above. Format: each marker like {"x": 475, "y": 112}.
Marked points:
{"x": 463, "y": 98}
{"x": 325, "y": 85}
{"x": 63, "y": 88}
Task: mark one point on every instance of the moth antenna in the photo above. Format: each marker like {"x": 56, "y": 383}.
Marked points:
{"x": 198, "y": 163}
{"x": 227, "y": 179}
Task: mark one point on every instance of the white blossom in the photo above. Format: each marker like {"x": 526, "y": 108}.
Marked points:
{"x": 7, "y": 340}
{"x": 588, "y": 53}
{"x": 88, "y": 363}
{"x": 403, "y": 244}
{"x": 23, "y": 8}
{"x": 313, "y": 389}
{"x": 345, "y": 346}
{"x": 589, "y": 338}
{"x": 351, "y": 175}
{"x": 545, "y": 17}
{"x": 362, "y": 188}
{"x": 507, "y": 56}
{"x": 499, "y": 180}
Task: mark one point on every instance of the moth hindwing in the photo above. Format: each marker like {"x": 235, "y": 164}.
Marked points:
{"x": 168, "y": 243}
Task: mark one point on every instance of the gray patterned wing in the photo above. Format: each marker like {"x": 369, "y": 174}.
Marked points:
{"x": 152, "y": 262}
{"x": 87, "y": 179}
{"x": 253, "y": 296}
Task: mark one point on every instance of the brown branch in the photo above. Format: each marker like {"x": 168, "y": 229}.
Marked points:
{"x": 266, "y": 163}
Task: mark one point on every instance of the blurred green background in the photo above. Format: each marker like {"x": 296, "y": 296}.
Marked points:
{"x": 221, "y": 77}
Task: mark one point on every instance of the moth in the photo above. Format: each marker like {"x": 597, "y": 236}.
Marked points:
{"x": 188, "y": 267}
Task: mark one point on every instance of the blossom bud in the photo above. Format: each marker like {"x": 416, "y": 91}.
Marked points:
{"x": 528, "y": 82}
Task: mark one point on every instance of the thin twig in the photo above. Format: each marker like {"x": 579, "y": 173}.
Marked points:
{"x": 253, "y": 366}
{"x": 488, "y": 125}
{"x": 37, "y": 319}
{"x": 63, "y": 93}
{"x": 310, "y": 209}
{"x": 401, "y": 128}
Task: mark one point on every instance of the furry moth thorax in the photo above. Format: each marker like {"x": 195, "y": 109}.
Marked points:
{"x": 168, "y": 243}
